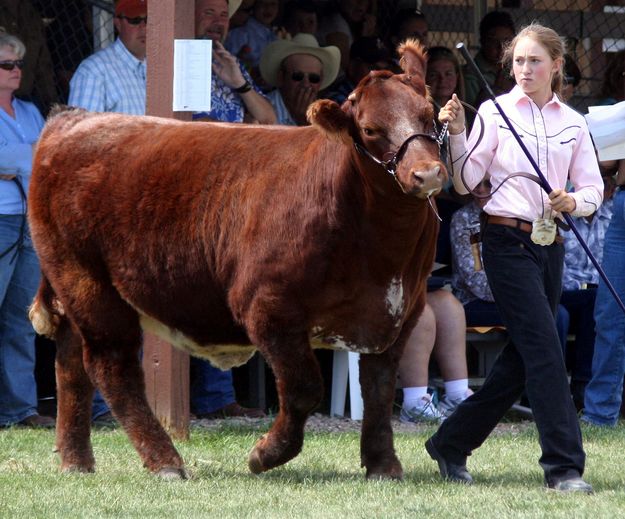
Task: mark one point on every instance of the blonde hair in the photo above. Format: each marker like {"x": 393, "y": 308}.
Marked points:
{"x": 12, "y": 42}
{"x": 553, "y": 44}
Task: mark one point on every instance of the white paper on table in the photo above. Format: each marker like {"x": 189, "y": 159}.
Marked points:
{"x": 607, "y": 127}
{"x": 192, "y": 75}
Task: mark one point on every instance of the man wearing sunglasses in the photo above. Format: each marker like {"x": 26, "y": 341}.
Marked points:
{"x": 113, "y": 79}
{"x": 299, "y": 68}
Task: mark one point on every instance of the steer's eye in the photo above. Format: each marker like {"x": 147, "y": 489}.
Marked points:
{"x": 368, "y": 132}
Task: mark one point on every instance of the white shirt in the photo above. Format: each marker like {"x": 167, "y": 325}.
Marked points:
{"x": 558, "y": 140}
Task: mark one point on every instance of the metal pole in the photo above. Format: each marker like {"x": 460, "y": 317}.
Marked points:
{"x": 544, "y": 183}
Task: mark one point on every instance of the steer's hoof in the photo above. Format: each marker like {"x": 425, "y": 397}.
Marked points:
{"x": 173, "y": 474}
{"x": 77, "y": 469}
{"x": 255, "y": 463}
{"x": 392, "y": 471}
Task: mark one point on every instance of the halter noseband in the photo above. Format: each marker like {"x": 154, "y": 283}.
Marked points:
{"x": 390, "y": 165}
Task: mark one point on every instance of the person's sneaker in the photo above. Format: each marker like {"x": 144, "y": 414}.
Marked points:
{"x": 447, "y": 406}
{"x": 37, "y": 421}
{"x": 425, "y": 413}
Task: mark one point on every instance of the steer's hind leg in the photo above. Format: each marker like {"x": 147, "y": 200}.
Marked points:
{"x": 111, "y": 336}
{"x": 300, "y": 390}
{"x": 378, "y": 379}
{"x": 74, "y": 393}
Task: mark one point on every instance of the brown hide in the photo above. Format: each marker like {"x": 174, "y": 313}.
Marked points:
{"x": 223, "y": 236}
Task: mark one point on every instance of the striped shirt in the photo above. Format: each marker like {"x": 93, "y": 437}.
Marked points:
{"x": 111, "y": 80}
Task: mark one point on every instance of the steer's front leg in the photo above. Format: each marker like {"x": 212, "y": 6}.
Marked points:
{"x": 378, "y": 378}
{"x": 300, "y": 390}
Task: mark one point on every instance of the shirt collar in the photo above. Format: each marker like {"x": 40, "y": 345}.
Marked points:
{"x": 125, "y": 55}
{"x": 517, "y": 96}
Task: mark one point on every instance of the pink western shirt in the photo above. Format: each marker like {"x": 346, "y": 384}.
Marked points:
{"x": 557, "y": 138}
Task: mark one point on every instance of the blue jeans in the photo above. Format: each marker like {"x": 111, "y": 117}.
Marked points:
{"x": 19, "y": 280}
{"x": 211, "y": 388}
{"x": 603, "y": 395}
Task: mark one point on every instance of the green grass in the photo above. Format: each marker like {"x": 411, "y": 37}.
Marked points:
{"x": 325, "y": 480}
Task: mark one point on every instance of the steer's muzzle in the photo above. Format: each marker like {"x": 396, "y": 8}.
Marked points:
{"x": 427, "y": 179}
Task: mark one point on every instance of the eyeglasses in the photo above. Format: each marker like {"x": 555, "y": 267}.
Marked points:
{"x": 11, "y": 64}
{"x": 312, "y": 77}
{"x": 137, "y": 20}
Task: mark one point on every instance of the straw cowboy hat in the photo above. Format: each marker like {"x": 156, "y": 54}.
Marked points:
{"x": 233, "y": 5}
{"x": 301, "y": 43}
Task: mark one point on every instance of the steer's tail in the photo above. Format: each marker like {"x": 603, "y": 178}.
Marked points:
{"x": 46, "y": 312}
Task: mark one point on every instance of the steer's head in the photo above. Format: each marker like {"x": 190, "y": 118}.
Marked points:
{"x": 390, "y": 120}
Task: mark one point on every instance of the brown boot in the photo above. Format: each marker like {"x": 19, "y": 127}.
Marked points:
{"x": 233, "y": 410}
{"x": 37, "y": 421}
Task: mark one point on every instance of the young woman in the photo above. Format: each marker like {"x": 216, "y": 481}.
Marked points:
{"x": 523, "y": 256}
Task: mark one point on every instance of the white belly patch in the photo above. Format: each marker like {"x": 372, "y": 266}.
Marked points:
{"x": 222, "y": 356}
{"x": 395, "y": 300}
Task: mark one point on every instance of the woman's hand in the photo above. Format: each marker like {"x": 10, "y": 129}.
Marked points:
{"x": 561, "y": 201}
{"x": 453, "y": 113}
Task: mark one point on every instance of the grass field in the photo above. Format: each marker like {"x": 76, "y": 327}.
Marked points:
{"x": 325, "y": 480}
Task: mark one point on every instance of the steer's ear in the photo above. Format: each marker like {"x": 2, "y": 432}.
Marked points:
{"x": 413, "y": 62}
{"x": 330, "y": 118}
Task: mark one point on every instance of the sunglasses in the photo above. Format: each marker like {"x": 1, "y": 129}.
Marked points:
{"x": 312, "y": 77}
{"x": 11, "y": 64}
{"x": 137, "y": 20}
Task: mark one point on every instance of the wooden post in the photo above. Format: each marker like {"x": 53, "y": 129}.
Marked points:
{"x": 166, "y": 368}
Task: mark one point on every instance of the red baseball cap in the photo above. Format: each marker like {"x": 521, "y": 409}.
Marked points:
{"x": 131, "y": 8}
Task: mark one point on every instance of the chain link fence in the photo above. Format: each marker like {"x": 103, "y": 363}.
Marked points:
{"x": 594, "y": 29}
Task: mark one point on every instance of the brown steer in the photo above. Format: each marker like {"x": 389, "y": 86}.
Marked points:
{"x": 227, "y": 238}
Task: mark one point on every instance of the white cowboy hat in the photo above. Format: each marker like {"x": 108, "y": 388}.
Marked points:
{"x": 233, "y": 5}
{"x": 301, "y": 43}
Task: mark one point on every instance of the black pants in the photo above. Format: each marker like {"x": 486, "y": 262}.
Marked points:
{"x": 526, "y": 282}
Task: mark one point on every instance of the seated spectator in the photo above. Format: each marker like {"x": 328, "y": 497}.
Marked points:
{"x": 496, "y": 31}
{"x": 469, "y": 281}
{"x": 114, "y": 78}
{"x": 407, "y": 23}
{"x": 443, "y": 75}
{"x": 299, "y": 68}
{"x": 234, "y": 95}
{"x": 579, "y": 283}
{"x": 242, "y": 14}
{"x": 248, "y": 41}
{"x": 441, "y": 329}
{"x": 572, "y": 78}
{"x": 347, "y": 21}
{"x": 20, "y": 126}
{"x": 300, "y": 16}
{"x": 366, "y": 54}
